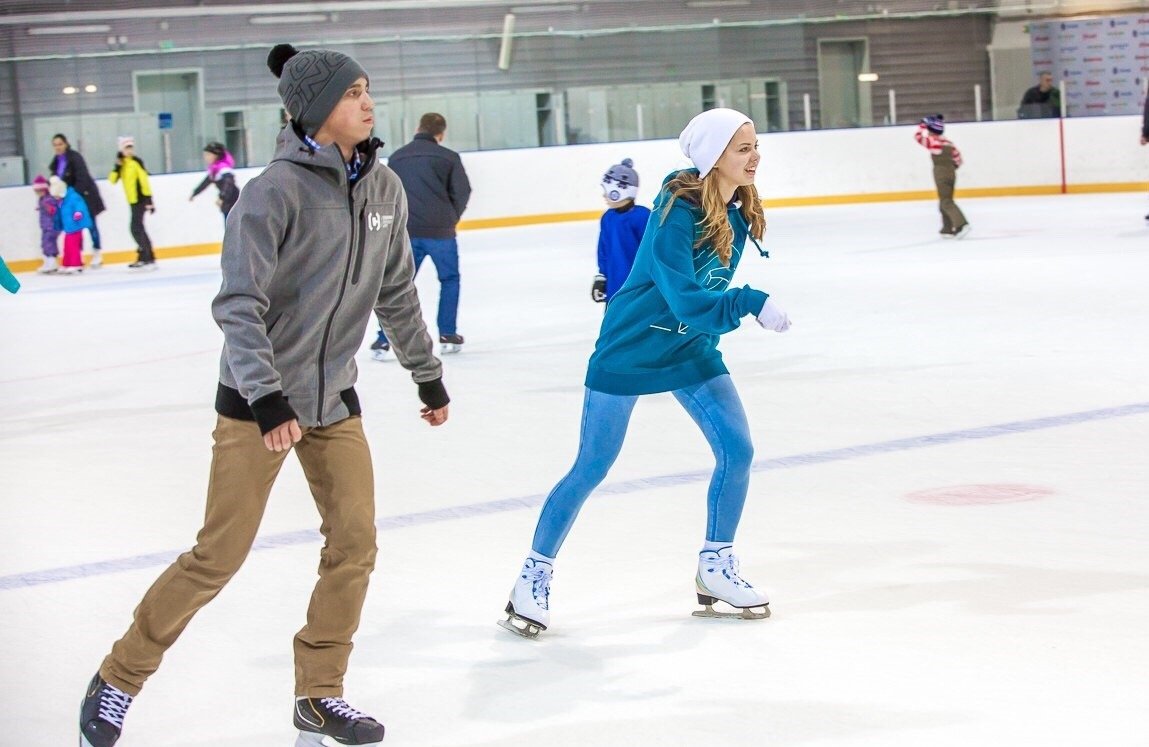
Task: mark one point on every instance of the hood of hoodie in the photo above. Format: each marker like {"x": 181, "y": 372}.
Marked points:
{"x": 733, "y": 211}
{"x": 222, "y": 165}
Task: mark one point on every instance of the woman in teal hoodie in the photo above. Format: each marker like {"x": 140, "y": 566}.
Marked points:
{"x": 660, "y": 334}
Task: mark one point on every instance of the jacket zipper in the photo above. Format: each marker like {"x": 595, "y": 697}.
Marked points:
{"x": 335, "y": 308}
{"x": 360, "y": 249}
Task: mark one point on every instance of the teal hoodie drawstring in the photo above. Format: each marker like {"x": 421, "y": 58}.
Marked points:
{"x": 736, "y": 205}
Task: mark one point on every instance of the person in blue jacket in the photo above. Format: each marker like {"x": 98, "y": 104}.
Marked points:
{"x": 619, "y": 230}
{"x": 660, "y": 334}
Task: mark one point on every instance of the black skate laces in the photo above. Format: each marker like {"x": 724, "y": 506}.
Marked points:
{"x": 114, "y": 705}
{"x": 339, "y": 707}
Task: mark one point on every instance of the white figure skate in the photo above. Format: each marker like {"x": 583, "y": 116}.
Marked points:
{"x": 528, "y": 611}
{"x": 718, "y": 581}
{"x": 450, "y": 344}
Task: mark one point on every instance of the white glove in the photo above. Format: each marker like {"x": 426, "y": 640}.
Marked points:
{"x": 772, "y": 317}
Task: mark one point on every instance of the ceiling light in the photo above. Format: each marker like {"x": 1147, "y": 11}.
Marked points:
{"x": 717, "y": 3}
{"x": 91, "y": 28}
{"x": 288, "y": 18}
{"x": 544, "y": 9}
{"x": 69, "y": 90}
{"x": 867, "y": 77}
{"x": 90, "y": 88}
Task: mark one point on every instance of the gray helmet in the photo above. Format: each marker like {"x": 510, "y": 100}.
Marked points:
{"x": 620, "y": 182}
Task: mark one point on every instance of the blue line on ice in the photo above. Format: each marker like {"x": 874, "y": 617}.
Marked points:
{"x": 287, "y": 539}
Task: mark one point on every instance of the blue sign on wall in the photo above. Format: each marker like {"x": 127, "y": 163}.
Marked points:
{"x": 165, "y": 120}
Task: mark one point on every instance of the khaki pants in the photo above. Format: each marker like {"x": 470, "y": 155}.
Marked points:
{"x": 952, "y": 217}
{"x": 337, "y": 463}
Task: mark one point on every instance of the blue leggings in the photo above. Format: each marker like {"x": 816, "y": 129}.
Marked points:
{"x": 715, "y": 407}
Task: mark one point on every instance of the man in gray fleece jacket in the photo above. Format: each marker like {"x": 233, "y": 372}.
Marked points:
{"x": 315, "y": 243}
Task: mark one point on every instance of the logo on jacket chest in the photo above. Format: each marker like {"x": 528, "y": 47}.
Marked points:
{"x": 376, "y": 221}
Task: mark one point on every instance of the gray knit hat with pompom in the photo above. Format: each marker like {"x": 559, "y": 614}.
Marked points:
{"x": 312, "y": 82}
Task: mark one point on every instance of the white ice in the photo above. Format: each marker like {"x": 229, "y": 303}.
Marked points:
{"x": 895, "y": 622}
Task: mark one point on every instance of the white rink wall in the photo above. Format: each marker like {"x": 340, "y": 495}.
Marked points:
{"x": 561, "y": 183}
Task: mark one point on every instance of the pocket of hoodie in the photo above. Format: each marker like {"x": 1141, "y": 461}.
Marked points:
{"x": 376, "y": 219}
{"x": 277, "y": 324}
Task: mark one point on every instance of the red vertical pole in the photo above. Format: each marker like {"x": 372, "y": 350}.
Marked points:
{"x": 1061, "y": 134}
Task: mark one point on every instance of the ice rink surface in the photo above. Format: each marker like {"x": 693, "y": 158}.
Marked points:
{"x": 949, "y": 508}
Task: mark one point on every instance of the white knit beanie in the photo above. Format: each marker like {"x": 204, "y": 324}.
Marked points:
{"x": 707, "y": 135}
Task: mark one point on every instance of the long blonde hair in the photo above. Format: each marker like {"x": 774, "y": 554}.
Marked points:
{"x": 716, "y": 229}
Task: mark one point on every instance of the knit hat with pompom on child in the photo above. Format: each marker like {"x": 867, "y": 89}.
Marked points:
{"x": 312, "y": 82}
{"x": 935, "y": 124}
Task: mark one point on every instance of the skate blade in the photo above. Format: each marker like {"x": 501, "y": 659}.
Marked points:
{"x": 745, "y": 613}
{"x": 380, "y": 355}
{"x": 311, "y": 739}
{"x": 449, "y": 348}
{"x": 525, "y": 628}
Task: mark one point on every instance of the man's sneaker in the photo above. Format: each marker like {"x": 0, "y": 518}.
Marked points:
{"x": 102, "y": 714}
{"x": 450, "y": 344}
{"x": 141, "y": 266}
{"x": 330, "y": 721}
{"x": 380, "y": 347}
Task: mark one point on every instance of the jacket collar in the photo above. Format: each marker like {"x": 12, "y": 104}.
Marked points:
{"x": 291, "y": 146}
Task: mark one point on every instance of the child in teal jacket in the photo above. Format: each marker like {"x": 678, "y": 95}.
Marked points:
{"x": 660, "y": 334}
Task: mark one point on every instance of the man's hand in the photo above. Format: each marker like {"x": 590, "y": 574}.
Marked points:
{"x": 434, "y": 417}
{"x": 284, "y": 436}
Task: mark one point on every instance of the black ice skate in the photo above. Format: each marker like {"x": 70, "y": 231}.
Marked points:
{"x": 449, "y": 344}
{"x": 102, "y": 714}
{"x": 330, "y": 722}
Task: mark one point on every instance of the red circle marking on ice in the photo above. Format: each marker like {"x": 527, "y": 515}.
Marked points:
{"x": 979, "y": 495}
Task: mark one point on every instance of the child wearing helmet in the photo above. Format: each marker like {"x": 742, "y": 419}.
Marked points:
{"x": 620, "y": 230}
